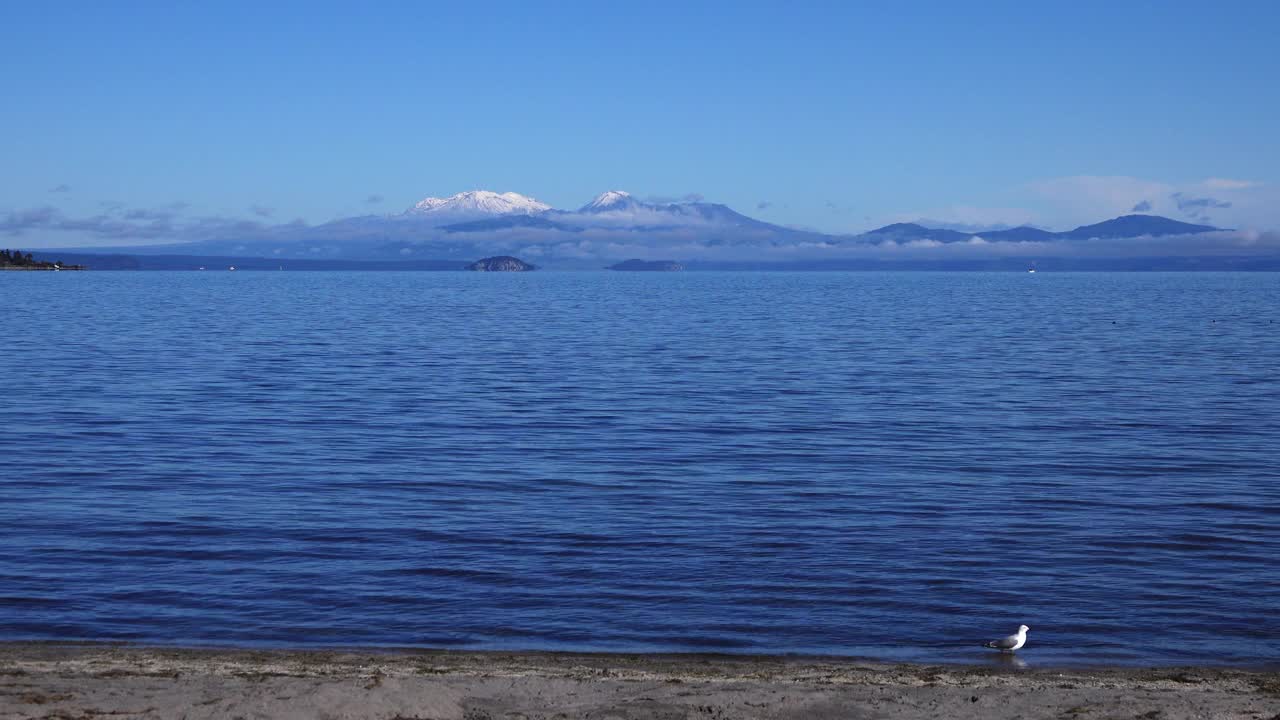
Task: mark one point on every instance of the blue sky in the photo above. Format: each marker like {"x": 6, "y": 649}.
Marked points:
{"x": 834, "y": 116}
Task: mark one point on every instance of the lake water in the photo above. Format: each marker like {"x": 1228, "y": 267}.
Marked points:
{"x": 897, "y": 465}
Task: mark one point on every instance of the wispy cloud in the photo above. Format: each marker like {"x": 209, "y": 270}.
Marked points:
{"x": 1229, "y": 184}
{"x": 962, "y": 226}
{"x": 19, "y": 222}
{"x": 1197, "y": 207}
{"x": 152, "y": 215}
{"x": 1090, "y": 198}
{"x": 63, "y": 188}
{"x": 130, "y": 224}
{"x": 669, "y": 199}
{"x": 140, "y": 225}
{"x": 1192, "y": 203}
{"x": 967, "y": 218}
{"x": 602, "y": 244}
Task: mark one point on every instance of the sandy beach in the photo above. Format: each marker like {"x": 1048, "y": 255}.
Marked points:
{"x": 74, "y": 682}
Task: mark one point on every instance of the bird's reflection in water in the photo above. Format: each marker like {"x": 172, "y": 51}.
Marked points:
{"x": 1007, "y": 660}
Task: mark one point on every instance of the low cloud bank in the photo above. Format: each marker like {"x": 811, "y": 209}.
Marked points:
{"x": 689, "y": 245}
{"x": 141, "y": 226}
{"x": 1220, "y": 243}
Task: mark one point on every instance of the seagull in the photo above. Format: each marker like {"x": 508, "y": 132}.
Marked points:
{"x": 1011, "y": 643}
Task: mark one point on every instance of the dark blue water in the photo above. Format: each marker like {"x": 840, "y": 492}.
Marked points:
{"x": 890, "y": 465}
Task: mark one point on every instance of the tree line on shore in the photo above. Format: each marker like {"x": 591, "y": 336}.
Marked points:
{"x": 15, "y": 257}
{"x": 19, "y": 259}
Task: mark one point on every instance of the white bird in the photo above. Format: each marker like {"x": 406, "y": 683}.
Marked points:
{"x": 1011, "y": 643}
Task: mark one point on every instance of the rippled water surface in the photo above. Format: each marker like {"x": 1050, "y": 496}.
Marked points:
{"x": 891, "y": 465}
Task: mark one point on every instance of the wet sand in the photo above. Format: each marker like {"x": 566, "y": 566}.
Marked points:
{"x": 81, "y": 682}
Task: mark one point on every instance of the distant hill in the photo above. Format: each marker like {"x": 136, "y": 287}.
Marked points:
{"x": 1019, "y": 234}
{"x": 905, "y": 232}
{"x": 501, "y": 263}
{"x": 1121, "y": 227}
{"x": 1136, "y": 226}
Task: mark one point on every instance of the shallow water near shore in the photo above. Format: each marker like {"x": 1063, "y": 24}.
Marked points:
{"x": 897, "y": 466}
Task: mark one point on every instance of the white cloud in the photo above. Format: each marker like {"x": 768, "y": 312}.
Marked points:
{"x": 1084, "y": 199}
{"x": 1092, "y": 198}
{"x": 1229, "y": 184}
{"x": 971, "y": 218}
{"x": 1217, "y": 244}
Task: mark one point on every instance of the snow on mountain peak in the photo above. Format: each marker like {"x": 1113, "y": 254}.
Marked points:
{"x": 480, "y": 202}
{"x": 611, "y": 200}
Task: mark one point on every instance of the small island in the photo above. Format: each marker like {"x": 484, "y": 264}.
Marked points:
{"x": 501, "y": 263}
{"x": 648, "y": 265}
{"x": 18, "y": 260}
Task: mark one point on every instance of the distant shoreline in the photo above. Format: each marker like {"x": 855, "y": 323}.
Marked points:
{"x": 1049, "y": 264}
{"x": 991, "y": 660}
{"x": 57, "y": 679}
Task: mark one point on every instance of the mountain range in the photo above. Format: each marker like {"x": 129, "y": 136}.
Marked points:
{"x": 484, "y": 211}
{"x": 613, "y": 226}
{"x": 1125, "y": 226}
{"x": 480, "y": 211}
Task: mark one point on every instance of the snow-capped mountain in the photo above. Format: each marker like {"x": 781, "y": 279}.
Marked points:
{"x": 612, "y": 201}
{"x": 618, "y": 210}
{"x": 474, "y": 205}
{"x": 616, "y": 225}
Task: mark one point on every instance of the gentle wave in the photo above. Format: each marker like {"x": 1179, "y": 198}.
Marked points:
{"x": 894, "y": 465}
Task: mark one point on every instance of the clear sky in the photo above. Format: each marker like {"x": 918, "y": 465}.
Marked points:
{"x": 835, "y": 116}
